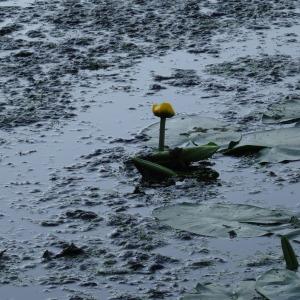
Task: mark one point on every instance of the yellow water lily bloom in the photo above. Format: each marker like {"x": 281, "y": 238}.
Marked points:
{"x": 163, "y": 110}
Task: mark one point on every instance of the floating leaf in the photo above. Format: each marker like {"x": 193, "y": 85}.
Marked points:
{"x": 284, "y": 113}
{"x": 225, "y": 140}
{"x": 278, "y": 145}
{"x": 191, "y": 130}
{"x": 181, "y": 157}
{"x": 279, "y": 285}
{"x": 152, "y": 170}
{"x": 245, "y": 291}
{"x": 222, "y": 220}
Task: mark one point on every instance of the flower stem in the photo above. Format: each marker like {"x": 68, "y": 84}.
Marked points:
{"x": 162, "y": 128}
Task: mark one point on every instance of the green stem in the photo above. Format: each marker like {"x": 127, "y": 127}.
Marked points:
{"x": 162, "y": 128}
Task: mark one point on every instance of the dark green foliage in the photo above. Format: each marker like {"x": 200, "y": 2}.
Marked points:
{"x": 289, "y": 254}
{"x": 180, "y": 158}
{"x": 152, "y": 171}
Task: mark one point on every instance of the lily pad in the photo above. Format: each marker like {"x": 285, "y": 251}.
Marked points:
{"x": 279, "y": 285}
{"x": 278, "y": 145}
{"x": 180, "y": 157}
{"x": 284, "y": 113}
{"x": 245, "y": 291}
{"x": 191, "y": 130}
{"x": 222, "y": 220}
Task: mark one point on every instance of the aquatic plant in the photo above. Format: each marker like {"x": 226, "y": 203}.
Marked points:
{"x": 163, "y": 164}
{"x": 267, "y": 146}
{"x": 289, "y": 254}
{"x": 163, "y": 111}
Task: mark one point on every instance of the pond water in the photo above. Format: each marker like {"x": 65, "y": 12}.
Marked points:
{"x": 53, "y": 162}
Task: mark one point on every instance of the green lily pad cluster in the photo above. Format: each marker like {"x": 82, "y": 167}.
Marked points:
{"x": 269, "y": 146}
{"x": 184, "y": 147}
{"x": 172, "y": 163}
{"x": 190, "y": 130}
{"x": 275, "y": 284}
{"x": 244, "y": 221}
{"x": 193, "y": 139}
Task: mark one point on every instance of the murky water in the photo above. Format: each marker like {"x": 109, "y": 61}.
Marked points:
{"x": 16, "y": 3}
{"x": 49, "y": 167}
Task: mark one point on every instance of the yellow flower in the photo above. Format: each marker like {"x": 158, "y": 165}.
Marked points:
{"x": 163, "y": 110}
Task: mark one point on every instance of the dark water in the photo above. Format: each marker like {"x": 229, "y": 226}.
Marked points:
{"x": 77, "y": 76}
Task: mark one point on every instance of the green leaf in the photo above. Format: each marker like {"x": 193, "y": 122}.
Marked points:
{"x": 152, "y": 170}
{"x": 199, "y": 153}
{"x": 245, "y": 291}
{"x": 279, "y": 285}
{"x": 181, "y": 157}
{"x": 191, "y": 130}
{"x": 289, "y": 254}
{"x": 222, "y": 220}
{"x": 270, "y": 146}
{"x": 278, "y": 145}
